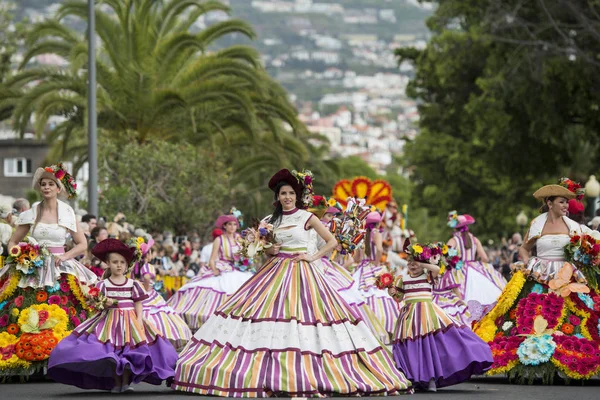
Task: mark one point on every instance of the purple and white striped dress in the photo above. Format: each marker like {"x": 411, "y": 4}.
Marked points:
{"x": 110, "y": 342}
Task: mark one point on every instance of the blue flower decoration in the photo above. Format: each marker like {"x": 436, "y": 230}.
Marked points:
{"x": 536, "y": 350}
{"x": 537, "y": 288}
{"x": 452, "y": 252}
{"x": 3, "y": 304}
{"x": 579, "y": 335}
{"x": 38, "y": 263}
{"x": 587, "y": 300}
{"x": 459, "y": 265}
{"x": 52, "y": 289}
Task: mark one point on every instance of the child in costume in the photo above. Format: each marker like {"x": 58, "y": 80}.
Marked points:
{"x": 432, "y": 348}
{"x": 116, "y": 347}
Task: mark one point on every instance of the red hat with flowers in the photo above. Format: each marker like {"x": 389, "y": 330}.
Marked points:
{"x": 301, "y": 182}
{"x": 107, "y": 246}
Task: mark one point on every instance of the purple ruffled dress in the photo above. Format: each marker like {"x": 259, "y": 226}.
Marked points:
{"x": 113, "y": 338}
{"x": 429, "y": 344}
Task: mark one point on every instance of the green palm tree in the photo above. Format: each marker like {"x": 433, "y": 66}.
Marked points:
{"x": 156, "y": 78}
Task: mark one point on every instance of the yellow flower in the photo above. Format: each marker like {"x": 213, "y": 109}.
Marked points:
{"x": 332, "y": 202}
{"x": 10, "y": 288}
{"x": 15, "y": 312}
{"x": 418, "y": 249}
{"x": 445, "y": 249}
{"x": 140, "y": 240}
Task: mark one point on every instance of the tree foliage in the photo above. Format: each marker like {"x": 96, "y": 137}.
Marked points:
{"x": 503, "y": 108}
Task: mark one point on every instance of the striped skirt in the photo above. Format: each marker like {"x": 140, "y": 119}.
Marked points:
{"x": 287, "y": 333}
{"x": 164, "y": 318}
{"x": 383, "y": 306}
{"x": 452, "y": 305}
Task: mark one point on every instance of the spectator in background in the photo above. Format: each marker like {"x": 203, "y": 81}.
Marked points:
{"x": 21, "y": 205}
{"x": 6, "y": 230}
{"x": 91, "y": 220}
{"x": 207, "y": 250}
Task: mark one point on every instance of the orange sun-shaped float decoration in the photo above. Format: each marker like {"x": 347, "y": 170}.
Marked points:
{"x": 377, "y": 193}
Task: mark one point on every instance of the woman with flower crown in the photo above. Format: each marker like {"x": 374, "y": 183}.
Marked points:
{"x": 546, "y": 321}
{"x": 40, "y": 293}
{"x": 286, "y": 332}
{"x": 479, "y": 281}
{"x": 197, "y": 300}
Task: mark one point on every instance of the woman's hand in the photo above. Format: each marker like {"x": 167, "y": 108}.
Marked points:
{"x": 216, "y": 271}
{"x": 303, "y": 257}
{"x": 59, "y": 259}
{"x": 392, "y": 291}
{"x": 273, "y": 250}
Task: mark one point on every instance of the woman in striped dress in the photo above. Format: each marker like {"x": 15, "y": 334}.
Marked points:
{"x": 385, "y": 308}
{"x": 197, "y": 300}
{"x": 478, "y": 279}
{"x": 433, "y": 349}
{"x": 286, "y": 332}
{"x": 155, "y": 308}
{"x": 116, "y": 347}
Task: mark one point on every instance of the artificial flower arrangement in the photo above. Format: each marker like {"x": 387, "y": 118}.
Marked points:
{"x": 27, "y": 256}
{"x": 67, "y": 179}
{"x": 255, "y": 240}
{"x": 347, "y": 228}
{"x": 305, "y": 178}
{"x": 584, "y": 252}
{"x": 94, "y": 298}
{"x": 550, "y": 330}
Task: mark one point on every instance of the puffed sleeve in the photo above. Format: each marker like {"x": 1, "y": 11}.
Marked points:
{"x": 138, "y": 293}
{"x": 147, "y": 269}
{"x": 27, "y": 217}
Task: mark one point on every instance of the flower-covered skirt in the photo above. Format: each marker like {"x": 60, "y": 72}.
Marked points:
{"x": 286, "y": 332}
{"x": 166, "y": 320}
{"x": 428, "y": 344}
{"x": 108, "y": 344}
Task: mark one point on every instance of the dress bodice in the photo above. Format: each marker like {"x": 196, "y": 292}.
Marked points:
{"x": 551, "y": 247}
{"x": 126, "y": 294}
{"x": 417, "y": 288}
{"x": 227, "y": 249}
{"x": 465, "y": 254}
{"x": 149, "y": 269}
{"x": 292, "y": 232}
{"x": 50, "y": 235}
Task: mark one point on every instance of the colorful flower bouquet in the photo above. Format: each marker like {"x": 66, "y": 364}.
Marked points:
{"x": 255, "y": 240}
{"x": 584, "y": 252}
{"x": 27, "y": 256}
{"x": 94, "y": 298}
{"x": 347, "y": 228}
{"x": 305, "y": 178}
{"x": 387, "y": 280}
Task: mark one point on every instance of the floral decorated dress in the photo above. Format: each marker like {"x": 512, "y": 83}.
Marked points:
{"x": 287, "y": 333}
{"x": 40, "y": 302}
{"x": 197, "y": 300}
{"x": 164, "y": 318}
{"x": 113, "y": 338}
{"x": 536, "y": 332}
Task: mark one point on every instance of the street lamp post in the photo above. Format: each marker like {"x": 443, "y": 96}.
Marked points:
{"x": 592, "y": 190}
{"x": 92, "y": 121}
{"x": 522, "y": 221}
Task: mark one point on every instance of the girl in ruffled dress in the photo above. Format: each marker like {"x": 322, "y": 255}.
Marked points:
{"x": 432, "y": 348}
{"x": 197, "y": 300}
{"x": 116, "y": 347}
{"x": 155, "y": 308}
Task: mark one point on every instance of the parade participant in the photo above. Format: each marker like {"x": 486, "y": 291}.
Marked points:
{"x": 479, "y": 281}
{"x": 546, "y": 320}
{"x": 446, "y": 294}
{"x": 40, "y": 277}
{"x": 116, "y": 347}
{"x": 155, "y": 308}
{"x": 286, "y": 332}
{"x": 385, "y": 308}
{"x": 226, "y": 273}
{"x": 433, "y": 349}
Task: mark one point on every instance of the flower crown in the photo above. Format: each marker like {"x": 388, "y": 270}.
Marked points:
{"x": 136, "y": 243}
{"x": 238, "y": 214}
{"x": 322, "y": 202}
{"x": 573, "y": 187}
{"x": 424, "y": 252}
{"x": 64, "y": 177}
{"x": 305, "y": 178}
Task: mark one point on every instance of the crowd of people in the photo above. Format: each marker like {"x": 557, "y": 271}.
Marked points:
{"x": 291, "y": 307}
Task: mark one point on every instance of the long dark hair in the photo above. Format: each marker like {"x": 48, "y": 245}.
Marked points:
{"x": 278, "y": 212}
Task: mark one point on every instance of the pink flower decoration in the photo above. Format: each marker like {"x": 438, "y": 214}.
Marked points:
{"x": 19, "y": 301}
{"x": 4, "y": 320}
{"x": 54, "y": 299}
{"x": 574, "y": 319}
{"x": 64, "y": 286}
{"x": 59, "y": 174}
{"x": 76, "y": 321}
{"x": 82, "y": 315}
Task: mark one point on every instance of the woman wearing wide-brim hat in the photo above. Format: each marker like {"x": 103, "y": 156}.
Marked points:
{"x": 545, "y": 323}
{"x": 286, "y": 332}
{"x": 197, "y": 300}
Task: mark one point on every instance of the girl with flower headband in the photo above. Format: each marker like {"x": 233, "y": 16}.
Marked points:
{"x": 479, "y": 281}
{"x": 384, "y": 307}
{"x": 286, "y": 332}
{"x": 432, "y": 348}
{"x": 47, "y": 275}
{"x": 198, "y": 299}
{"x": 545, "y": 323}
{"x": 116, "y": 347}
{"x": 155, "y": 308}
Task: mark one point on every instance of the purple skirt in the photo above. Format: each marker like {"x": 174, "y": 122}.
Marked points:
{"x": 89, "y": 364}
{"x": 450, "y": 357}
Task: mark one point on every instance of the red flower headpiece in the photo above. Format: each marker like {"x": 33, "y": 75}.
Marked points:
{"x": 64, "y": 177}
{"x": 573, "y": 187}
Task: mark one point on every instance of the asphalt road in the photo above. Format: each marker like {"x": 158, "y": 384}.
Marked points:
{"x": 488, "y": 389}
